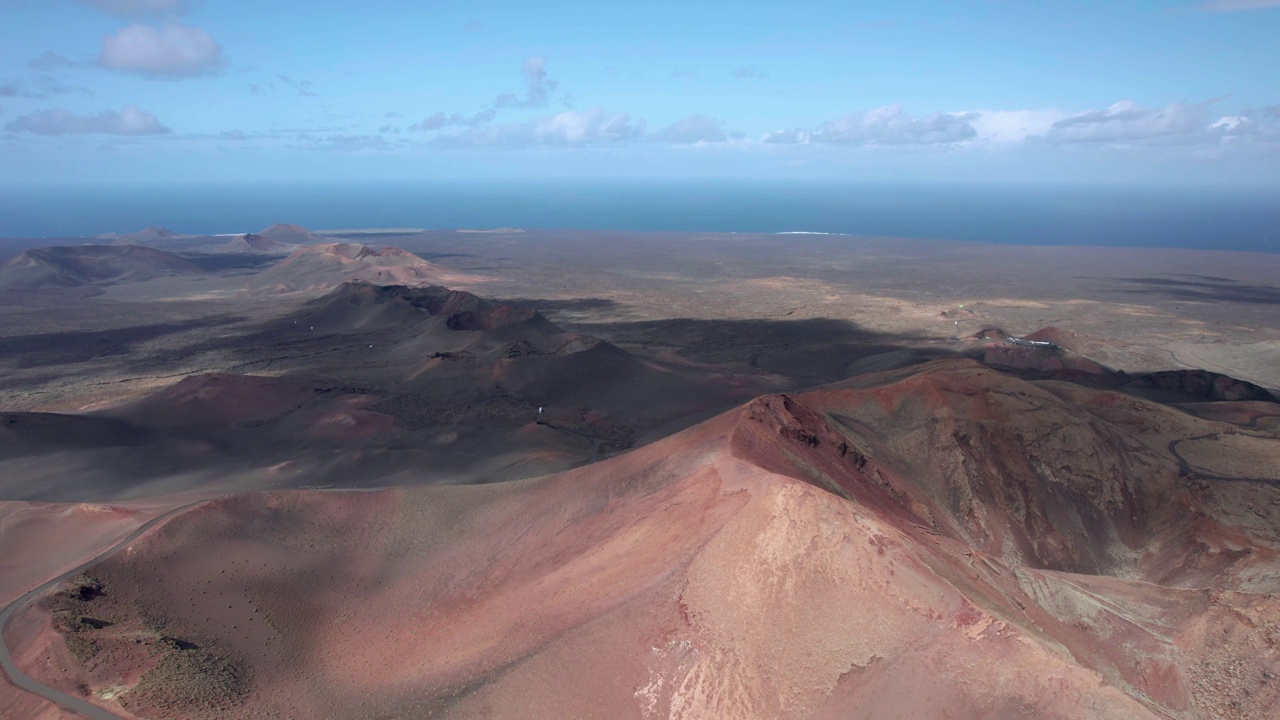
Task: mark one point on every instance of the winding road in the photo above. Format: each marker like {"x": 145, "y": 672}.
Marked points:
{"x": 596, "y": 442}
{"x": 1185, "y": 468}
{"x": 53, "y": 695}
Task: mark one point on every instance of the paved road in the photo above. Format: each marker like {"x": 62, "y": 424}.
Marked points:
{"x": 596, "y": 442}
{"x": 19, "y": 678}
{"x": 1185, "y": 467}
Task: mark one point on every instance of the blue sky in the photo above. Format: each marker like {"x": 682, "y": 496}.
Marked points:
{"x": 995, "y": 91}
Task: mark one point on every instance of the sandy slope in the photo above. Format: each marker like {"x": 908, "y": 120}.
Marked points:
{"x": 937, "y": 541}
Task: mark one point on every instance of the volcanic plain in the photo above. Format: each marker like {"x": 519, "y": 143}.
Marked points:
{"x": 588, "y": 474}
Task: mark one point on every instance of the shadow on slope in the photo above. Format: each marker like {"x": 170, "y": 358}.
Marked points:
{"x": 409, "y": 385}
{"x": 809, "y": 351}
{"x": 60, "y": 348}
{"x": 71, "y": 266}
{"x": 1205, "y": 289}
{"x": 230, "y": 261}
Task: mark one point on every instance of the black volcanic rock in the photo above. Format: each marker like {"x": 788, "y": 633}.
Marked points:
{"x": 257, "y": 244}
{"x": 1196, "y": 385}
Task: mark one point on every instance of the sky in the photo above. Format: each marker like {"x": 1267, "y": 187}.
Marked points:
{"x": 182, "y": 91}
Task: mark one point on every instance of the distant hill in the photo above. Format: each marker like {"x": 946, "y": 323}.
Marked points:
{"x": 146, "y": 236}
{"x": 256, "y": 244}
{"x": 451, "y": 348}
{"x": 322, "y": 267}
{"x": 361, "y": 306}
{"x": 90, "y": 265}
{"x": 292, "y": 235}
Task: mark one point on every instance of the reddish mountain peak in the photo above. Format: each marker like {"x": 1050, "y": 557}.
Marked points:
{"x": 283, "y": 227}
{"x": 152, "y": 233}
{"x": 350, "y": 251}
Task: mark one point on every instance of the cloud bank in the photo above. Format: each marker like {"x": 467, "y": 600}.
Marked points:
{"x": 1125, "y": 122}
{"x": 572, "y": 128}
{"x": 128, "y": 121}
{"x": 439, "y": 120}
{"x": 693, "y": 129}
{"x": 1122, "y": 124}
{"x": 885, "y": 126}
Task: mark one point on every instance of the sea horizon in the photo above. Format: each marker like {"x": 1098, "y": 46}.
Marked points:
{"x": 1211, "y": 218}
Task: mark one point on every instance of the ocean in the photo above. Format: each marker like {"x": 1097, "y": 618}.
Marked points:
{"x": 1212, "y": 218}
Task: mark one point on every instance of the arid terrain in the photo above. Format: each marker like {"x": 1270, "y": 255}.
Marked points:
{"x": 363, "y": 474}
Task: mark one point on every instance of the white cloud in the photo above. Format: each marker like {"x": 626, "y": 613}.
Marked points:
{"x": 539, "y": 90}
{"x": 748, "y": 72}
{"x": 1230, "y": 122}
{"x": 1012, "y": 126}
{"x": 353, "y": 143}
{"x": 1125, "y": 122}
{"x": 693, "y": 129}
{"x": 128, "y": 121}
{"x": 891, "y": 126}
{"x": 786, "y": 137}
{"x": 539, "y": 87}
{"x": 439, "y": 120}
{"x": 1262, "y": 126}
{"x": 586, "y": 127}
{"x": 1238, "y": 5}
{"x": 572, "y": 128}
{"x": 169, "y": 51}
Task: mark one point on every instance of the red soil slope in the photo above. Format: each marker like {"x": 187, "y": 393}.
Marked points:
{"x": 1065, "y": 353}
{"x": 41, "y": 541}
{"x": 217, "y": 399}
{"x": 939, "y": 541}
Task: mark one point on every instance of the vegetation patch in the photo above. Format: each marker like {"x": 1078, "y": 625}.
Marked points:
{"x": 70, "y": 608}
{"x": 188, "y": 679}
